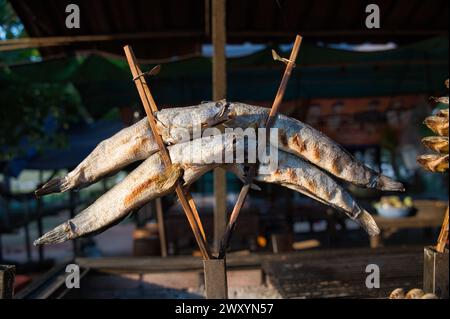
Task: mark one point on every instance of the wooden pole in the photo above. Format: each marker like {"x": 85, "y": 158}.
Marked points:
{"x": 7, "y": 277}
{"x": 270, "y": 120}
{"x": 443, "y": 235}
{"x": 219, "y": 80}
{"x": 215, "y": 270}
{"x": 157, "y": 204}
{"x": 150, "y": 107}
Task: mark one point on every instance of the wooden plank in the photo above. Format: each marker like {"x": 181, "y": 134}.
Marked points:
{"x": 252, "y": 260}
{"x": 150, "y": 107}
{"x": 7, "y": 276}
{"x": 219, "y": 86}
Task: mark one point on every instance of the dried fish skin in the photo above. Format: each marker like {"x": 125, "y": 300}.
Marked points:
{"x": 175, "y": 123}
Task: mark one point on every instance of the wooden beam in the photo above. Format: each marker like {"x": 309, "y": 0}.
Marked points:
{"x": 200, "y": 35}
{"x": 219, "y": 80}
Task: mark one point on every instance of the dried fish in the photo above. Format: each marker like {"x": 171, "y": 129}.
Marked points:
{"x": 136, "y": 143}
{"x": 302, "y": 140}
{"x": 148, "y": 181}
{"x": 438, "y": 124}
{"x": 433, "y": 162}
{"x": 436, "y": 143}
{"x": 443, "y": 99}
{"x": 443, "y": 113}
{"x": 303, "y": 177}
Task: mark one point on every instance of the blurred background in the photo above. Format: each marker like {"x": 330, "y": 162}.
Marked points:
{"x": 68, "y": 89}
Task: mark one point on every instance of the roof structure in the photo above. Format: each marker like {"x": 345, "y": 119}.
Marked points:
{"x": 166, "y": 28}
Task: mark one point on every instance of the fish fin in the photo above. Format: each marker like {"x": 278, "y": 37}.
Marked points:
{"x": 385, "y": 183}
{"x": 59, "y": 234}
{"x": 255, "y": 187}
{"x": 56, "y": 185}
{"x": 368, "y": 223}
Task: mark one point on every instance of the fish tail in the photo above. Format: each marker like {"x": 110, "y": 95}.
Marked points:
{"x": 59, "y": 234}
{"x": 385, "y": 183}
{"x": 56, "y": 185}
{"x": 368, "y": 223}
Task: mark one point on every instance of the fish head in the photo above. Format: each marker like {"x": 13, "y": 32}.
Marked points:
{"x": 221, "y": 110}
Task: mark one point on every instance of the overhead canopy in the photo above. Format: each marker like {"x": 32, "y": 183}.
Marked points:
{"x": 166, "y": 28}
{"x": 104, "y": 81}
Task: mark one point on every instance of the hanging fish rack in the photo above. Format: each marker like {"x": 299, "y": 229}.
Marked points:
{"x": 214, "y": 267}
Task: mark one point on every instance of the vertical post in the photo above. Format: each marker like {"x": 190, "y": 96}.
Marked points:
{"x": 7, "y": 276}
{"x": 216, "y": 286}
{"x": 219, "y": 92}
{"x": 435, "y": 272}
{"x": 215, "y": 270}
{"x": 161, "y": 226}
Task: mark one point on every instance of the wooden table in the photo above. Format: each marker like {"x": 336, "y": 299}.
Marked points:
{"x": 429, "y": 214}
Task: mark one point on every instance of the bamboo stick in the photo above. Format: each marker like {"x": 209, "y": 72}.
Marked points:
{"x": 150, "y": 107}
{"x": 443, "y": 235}
{"x": 270, "y": 120}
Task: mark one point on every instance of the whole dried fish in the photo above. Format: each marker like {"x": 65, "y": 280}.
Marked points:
{"x": 443, "y": 113}
{"x": 436, "y": 143}
{"x": 438, "y": 124}
{"x": 435, "y": 163}
{"x": 302, "y": 140}
{"x": 148, "y": 181}
{"x": 303, "y": 177}
{"x": 443, "y": 99}
{"x": 136, "y": 143}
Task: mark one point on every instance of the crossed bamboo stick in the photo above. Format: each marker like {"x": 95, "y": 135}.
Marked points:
{"x": 185, "y": 197}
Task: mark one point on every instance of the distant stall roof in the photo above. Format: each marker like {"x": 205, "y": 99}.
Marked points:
{"x": 166, "y": 28}
{"x": 80, "y": 142}
{"x": 104, "y": 81}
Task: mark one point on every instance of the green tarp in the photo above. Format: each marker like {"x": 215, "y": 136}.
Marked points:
{"x": 104, "y": 82}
